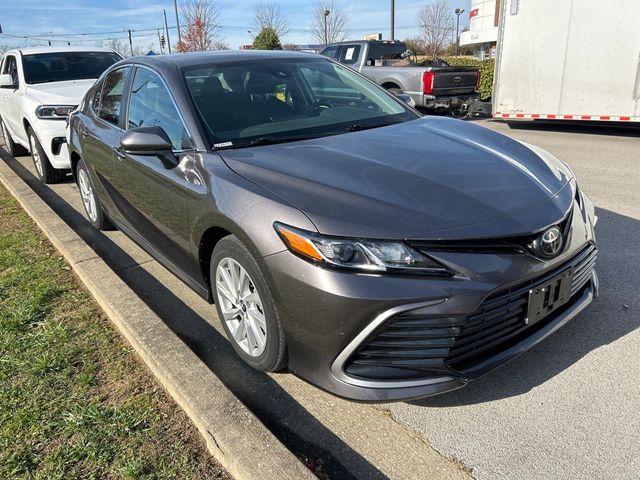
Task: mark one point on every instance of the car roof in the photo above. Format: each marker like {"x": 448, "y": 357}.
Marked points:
{"x": 216, "y": 57}
{"x": 60, "y": 49}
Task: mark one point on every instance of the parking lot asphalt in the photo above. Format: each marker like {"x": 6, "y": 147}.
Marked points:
{"x": 567, "y": 409}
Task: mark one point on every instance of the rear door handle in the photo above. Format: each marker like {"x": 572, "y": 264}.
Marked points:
{"x": 84, "y": 132}
{"x": 119, "y": 153}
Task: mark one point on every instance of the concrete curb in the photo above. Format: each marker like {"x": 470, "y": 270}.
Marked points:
{"x": 234, "y": 436}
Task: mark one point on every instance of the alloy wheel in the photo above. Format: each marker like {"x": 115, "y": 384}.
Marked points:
{"x": 241, "y": 307}
{"x": 86, "y": 192}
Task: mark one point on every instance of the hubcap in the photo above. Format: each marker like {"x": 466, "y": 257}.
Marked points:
{"x": 241, "y": 307}
{"x": 86, "y": 192}
{"x": 37, "y": 161}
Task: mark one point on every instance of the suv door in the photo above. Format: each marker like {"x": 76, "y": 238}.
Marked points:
{"x": 153, "y": 192}
{"x": 10, "y": 106}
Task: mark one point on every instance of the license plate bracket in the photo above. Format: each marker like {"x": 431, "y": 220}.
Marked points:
{"x": 547, "y": 297}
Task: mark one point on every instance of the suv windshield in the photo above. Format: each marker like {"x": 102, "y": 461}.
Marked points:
{"x": 266, "y": 101}
{"x": 63, "y": 66}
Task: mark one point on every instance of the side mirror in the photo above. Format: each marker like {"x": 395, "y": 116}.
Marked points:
{"x": 407, "y": 99}
{"x": 152, "y": 141}
{"x": 6, "y": 81}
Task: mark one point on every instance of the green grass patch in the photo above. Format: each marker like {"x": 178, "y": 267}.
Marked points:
{"x": 74, "y": 400}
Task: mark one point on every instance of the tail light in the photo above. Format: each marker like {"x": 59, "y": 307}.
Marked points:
{"x": 427, "y": 82}
{"x": 477, "y": 80}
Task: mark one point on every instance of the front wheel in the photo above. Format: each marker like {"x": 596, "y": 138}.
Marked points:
{"x": 91, "y": 204}
{"x": 44, "y": 170}
{"x": 246, "y": 308}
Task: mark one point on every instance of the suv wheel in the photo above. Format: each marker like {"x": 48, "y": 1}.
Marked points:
{"x": 44, "y": 171}
{"x": 245, "y": 307}
{"x": 92, "y": 206}
{"x": 14, "y": 149}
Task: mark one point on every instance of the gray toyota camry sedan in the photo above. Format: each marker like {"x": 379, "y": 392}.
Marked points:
{"x": 376, "y": 253}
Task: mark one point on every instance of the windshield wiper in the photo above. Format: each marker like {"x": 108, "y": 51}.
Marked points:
{"x": 356, "y": 127}
{"x": 265, "y": 141}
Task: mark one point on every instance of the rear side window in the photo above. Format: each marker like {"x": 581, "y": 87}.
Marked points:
{"x": 11, "y": 67}
{"x": 331, "y": 52}
{"x": 111, "y": 96}
{"x": 350, "y": 54}
{"x": 385, "y": 51}
{"x": 151, "y": 105}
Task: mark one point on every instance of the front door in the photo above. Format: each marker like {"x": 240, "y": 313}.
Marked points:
{"x": 153, "y": 197}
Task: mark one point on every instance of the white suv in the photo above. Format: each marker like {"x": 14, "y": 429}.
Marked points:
{"x": 39, "y": 86}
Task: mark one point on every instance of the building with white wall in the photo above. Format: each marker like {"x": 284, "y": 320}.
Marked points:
{"x": 483, "y": 28}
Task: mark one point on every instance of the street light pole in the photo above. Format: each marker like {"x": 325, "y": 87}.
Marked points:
{"x": 393, "y": 12}
{"x": 175, "y": 7}
{"x": 166, "y": 29}
{"x": 326, "y": 14}
{"x": 130, "y": 43}
{"x": 459, "y": 11}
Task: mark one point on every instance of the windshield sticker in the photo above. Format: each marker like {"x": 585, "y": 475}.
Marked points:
{"x": 223, "y": 144}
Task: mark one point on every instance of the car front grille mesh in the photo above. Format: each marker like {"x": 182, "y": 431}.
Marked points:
{"x": 411, "y": 341}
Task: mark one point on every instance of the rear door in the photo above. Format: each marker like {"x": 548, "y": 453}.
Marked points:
{"x": 152, "y": 195}
{"x": 100, "y": 134}
{"x": 11, "y": 105}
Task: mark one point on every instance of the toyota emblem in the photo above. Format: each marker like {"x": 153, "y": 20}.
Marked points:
{"x": 550, "y": 242}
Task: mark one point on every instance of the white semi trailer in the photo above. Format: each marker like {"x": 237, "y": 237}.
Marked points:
{"x": 568, "y": 60}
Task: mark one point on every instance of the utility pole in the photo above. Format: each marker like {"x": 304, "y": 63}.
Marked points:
{"x": 458, "y": 11}
{"x": 130, "y": 43}
{"x": 326, "y": 14}
{"x": 175, "y": 7}
{"x": 166, "y": 29}
{"x": 160, "y": 42}
{"x": 393, "y": 13}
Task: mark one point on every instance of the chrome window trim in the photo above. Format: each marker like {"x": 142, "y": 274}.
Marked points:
{"x": 337, "y": 367}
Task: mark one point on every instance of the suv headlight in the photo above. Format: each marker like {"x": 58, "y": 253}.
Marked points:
{"x": 359, "y": 254}
{"x": 54, "y": 112}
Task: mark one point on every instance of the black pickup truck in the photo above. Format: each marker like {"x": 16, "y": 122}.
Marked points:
{"x": 435, "y": 86}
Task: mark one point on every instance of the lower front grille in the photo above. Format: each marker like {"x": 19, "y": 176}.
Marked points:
{"x": 411, "y": 344}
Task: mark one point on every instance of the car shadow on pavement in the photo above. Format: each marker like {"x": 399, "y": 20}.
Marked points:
{"x": 614, "y": 314}
{"x": 287, "y": 419}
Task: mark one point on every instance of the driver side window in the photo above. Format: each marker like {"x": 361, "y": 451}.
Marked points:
{"x": 151, "y": 105}
{"x": 11, "y": 67}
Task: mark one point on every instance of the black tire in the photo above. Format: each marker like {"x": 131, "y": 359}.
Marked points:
{"x": 44, "y": 171}
{"x": 14, "y": 149}
{"x": 99, "y": 220}
{"x": 274, "y": 356}
{"x": 394, "y": 89}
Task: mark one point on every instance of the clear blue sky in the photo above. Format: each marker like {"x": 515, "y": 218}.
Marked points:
{"x": 40, "y": 17}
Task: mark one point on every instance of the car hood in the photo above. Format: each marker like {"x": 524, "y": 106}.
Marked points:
{"x": 60, "y": 93}
{"x": 432, "y": 178}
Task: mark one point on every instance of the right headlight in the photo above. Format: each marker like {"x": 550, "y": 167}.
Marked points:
{"x": 359, "y": 254}
{"x": 54, "y": 112}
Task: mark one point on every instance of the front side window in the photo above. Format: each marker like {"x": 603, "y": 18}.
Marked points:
{"x": 11, "y": 68}
{"x": 151, "y": 104}
{"x": 111, "y": 96}
{"x": 65, "y": 66}
{"x": 330, "y": 52}
{"x": 242, "y": 101}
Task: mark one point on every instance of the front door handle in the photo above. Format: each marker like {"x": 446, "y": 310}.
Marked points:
{"x": 119, "y": 153}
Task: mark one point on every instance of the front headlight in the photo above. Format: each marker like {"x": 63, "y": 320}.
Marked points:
{"x": 54, "y": 112}
{"x": 359, "y": 254}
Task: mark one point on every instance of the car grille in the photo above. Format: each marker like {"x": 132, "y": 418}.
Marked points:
{"x": 410, "y": 343}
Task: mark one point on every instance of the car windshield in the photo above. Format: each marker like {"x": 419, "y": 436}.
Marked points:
{"x": 266, "y": 101}
{"x": 63, "y": 66}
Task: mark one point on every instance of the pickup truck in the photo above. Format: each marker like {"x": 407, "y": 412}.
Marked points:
{"x": 435, "y": 86}
{"x": 39, "y": 87}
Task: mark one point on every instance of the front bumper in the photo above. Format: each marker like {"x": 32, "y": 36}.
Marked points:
{"x": 329, "y": 315}
{"x": 53, "y": 138}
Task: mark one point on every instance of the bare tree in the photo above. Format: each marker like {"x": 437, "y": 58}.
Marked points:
{"x": 334, "y": 21}
{"x": 116, "y": 45}
{"x": 203, "y": 27}
{"x": 269, "y": 15}
{"x": 436, "y": 23}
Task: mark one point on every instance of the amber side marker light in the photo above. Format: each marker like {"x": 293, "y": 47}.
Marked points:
{"x": 298, "y": 243}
